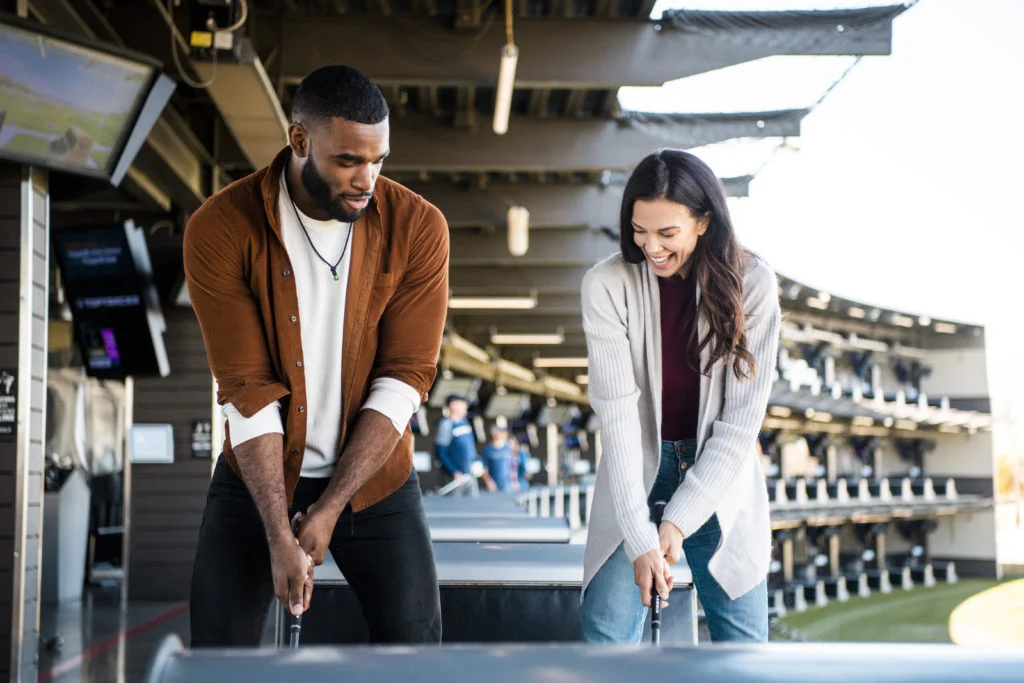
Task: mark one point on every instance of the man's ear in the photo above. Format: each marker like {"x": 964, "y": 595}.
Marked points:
{"x": 298, "y": 139}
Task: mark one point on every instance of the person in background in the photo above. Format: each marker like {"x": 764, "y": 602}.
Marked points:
{"x": 455, "y": 446}
{"x": 500, "y": 462}
{"x": 522, "y": 451}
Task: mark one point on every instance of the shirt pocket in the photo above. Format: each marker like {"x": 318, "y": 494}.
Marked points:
{"x": 384, "y": 287}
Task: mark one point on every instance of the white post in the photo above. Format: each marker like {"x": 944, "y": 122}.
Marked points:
{"x": 552, "y": 454}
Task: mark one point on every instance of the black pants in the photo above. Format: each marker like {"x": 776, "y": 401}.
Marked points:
{"x": 384, "y": 552}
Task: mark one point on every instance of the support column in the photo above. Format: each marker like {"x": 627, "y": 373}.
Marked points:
{"x": 552, "y": 454}
{"x": 24, "y": 292}
{"x": 832, "y": 463}
{"x": 833, "y": 555}
{"x": 787, "y": 558}
{"x": 880, "y": 561}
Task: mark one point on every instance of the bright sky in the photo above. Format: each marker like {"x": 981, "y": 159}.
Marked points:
{"x": 904, "y": 190}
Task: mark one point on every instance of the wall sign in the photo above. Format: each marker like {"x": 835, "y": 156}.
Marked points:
{"x": 151, "y": 443}
{"x": 8, "y": 404}
{"x": 202, "y": 439}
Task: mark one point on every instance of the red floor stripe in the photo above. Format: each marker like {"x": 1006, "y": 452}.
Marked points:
{"x": 79, "y": 659}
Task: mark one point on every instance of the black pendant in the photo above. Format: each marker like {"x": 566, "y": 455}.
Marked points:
{"x": 334, "y": 272}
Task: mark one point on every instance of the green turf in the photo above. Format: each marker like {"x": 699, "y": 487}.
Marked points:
{"x": 27, "y": 144}
{"x": 917, "y": 616}
{"x": 37, "y": 114}
{"x": 101, "y": 158}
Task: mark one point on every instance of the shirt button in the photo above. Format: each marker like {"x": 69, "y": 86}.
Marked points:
{"x": 295, "y": 454}
{"x": 298, "y": 363}
{"x": 302, "y": 409}
{"x": 293, "y": 318}
{"x": 287, "y": 273}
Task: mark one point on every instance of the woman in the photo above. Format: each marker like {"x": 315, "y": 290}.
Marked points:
{"x": 682, "y": 332}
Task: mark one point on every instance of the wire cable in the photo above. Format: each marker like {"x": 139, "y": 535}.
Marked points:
{"x": 199, "y": 85}
{"x": 508, "y": 24}
{"x": 214, "y": 29}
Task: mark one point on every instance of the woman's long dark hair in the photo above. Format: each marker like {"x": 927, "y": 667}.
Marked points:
{"x": 718, "y": 261}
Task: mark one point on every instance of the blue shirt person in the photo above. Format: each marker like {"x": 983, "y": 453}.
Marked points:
{"x": 501, "y": 462}
{"x": 455, "y": 442}
{"x": 522, "y": 451}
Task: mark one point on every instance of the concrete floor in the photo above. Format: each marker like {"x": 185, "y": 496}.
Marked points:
{"x": 100, "y": 641}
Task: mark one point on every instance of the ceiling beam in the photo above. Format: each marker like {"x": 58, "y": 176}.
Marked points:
{"x": 59, "y": 14}
{"x": 547, "y": 304}
{"x": 481, "y": 336}
{"x": 506, "y": 279}
{"x": 551, "y": 205}
{"x": 516, "y": 321}
{"x": 452, "y": 358}
{"x": 631, "y": 52}
{"x": 524, "y": 355}
{"x": 422, "y": 143}
{"x": 547, "y": 248}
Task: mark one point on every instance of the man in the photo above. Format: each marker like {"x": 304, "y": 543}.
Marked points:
{"x": 522, "y": 450}
{"x": 321, "y": 290}
{"x": 455, "y": 446}
{"x": 501, "y": 462}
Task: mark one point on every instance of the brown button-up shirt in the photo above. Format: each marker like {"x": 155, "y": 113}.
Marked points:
{"x": 243, "y": 292}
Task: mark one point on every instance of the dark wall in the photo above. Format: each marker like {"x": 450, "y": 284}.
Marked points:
{"x": 10, "y": 238}
{"x": 24, "y": 495}
{"x": 167, "y": 500}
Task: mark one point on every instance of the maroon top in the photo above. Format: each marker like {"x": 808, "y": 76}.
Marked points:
{"x": 680, "y": 378}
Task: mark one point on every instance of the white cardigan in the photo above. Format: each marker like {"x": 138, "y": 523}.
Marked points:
{"x": 621, "y": 319}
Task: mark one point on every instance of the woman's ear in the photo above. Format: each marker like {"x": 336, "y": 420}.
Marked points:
{"x": 703, "y": 223}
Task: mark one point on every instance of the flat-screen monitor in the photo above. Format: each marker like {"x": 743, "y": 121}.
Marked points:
{"x": 115, "y": 308}
{"x": 446, "y": 386}
{"x": 75, "y": 105}
{"x": 558, "y": 414}
{"x": 511, "y": 405}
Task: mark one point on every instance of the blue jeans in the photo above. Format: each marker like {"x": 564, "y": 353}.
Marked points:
{"x": 612, "y": 610}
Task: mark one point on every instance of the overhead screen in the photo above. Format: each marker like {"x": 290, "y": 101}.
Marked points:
{"x": 74, "y": 106}
{"x": 118, "y": 322}
{"x": 510, "y": 405}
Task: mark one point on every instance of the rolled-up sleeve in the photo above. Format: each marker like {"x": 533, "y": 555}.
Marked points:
{"x": 413, "y": 322}
{"x": 393, "y": 399}
{"x": 232, "y": 327}
{"x": 242, "y": 428}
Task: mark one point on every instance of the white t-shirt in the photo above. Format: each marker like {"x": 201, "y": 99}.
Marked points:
{"x": 321, "y": 317}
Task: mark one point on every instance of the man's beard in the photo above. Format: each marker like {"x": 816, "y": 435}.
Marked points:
{"x": 320, "y": 192}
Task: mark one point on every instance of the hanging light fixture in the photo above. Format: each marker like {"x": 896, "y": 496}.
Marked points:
{"x": 518, "y": 230}
{"x": 506, "y": 76}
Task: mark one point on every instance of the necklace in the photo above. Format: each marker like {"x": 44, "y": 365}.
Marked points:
{"x": 334, "y": 268}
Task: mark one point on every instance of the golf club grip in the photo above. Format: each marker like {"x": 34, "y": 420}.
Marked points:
{"x": 658, "y": 511}
{"x": 294, "y": 632}
{"x": 656, "y": 619}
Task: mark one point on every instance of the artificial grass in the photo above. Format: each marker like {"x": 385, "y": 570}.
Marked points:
{"x": 917, "y": 616}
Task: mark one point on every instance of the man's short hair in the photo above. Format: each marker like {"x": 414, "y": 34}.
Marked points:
{"x": 455, "y": 397}
{"x": 338, "y": 91}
